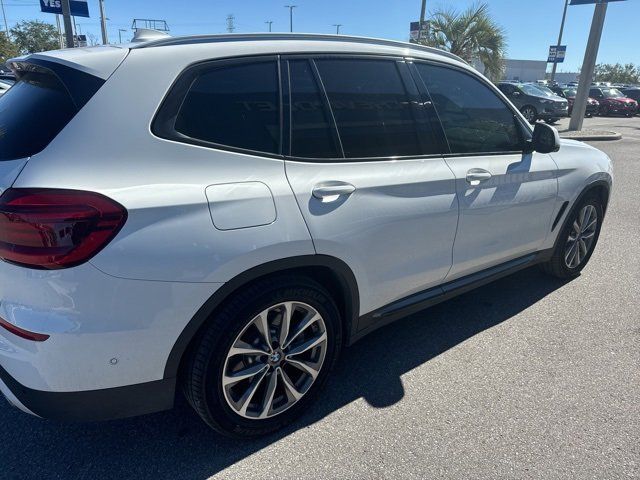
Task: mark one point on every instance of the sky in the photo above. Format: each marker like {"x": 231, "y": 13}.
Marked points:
{"x": 530, "y": 25}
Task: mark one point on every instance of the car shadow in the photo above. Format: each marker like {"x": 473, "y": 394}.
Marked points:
{"x": 177, "y": 445}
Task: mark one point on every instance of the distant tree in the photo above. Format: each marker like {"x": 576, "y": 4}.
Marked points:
{"x": 617, "y": 73}
{"x": 470, "y": 34}
{"x": 8, "y": 49}
{"x": 35, "y": 36}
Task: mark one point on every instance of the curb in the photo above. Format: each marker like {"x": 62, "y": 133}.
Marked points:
{"x": 587, "y": 136}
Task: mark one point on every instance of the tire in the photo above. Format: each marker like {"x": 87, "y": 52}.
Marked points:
{"x": 530, "y": 113}
{"x": 211, "y": 362}
{"x": 558, "y": 266}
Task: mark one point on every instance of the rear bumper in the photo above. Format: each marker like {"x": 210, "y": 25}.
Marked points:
{"x": 91, "y": 405}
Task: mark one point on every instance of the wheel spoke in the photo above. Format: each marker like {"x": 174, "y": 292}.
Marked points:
{"x": 285, "y": 323}
{"x": 243, "y": 348}
{"x": 308, "y": 345}
{"x": 587, "y": 236}
{"x": 244, "y": 374}
{"x": 268, "y": 399}
{"x": 304, "y": 367}
{"x": 576, "y": 227}
{"x": 583, "y": 248}
{"x": 570, "y": 254}
{"x": 262, "y": 323}
{"x": 288, "y": 384}
{"x": 251, "y": 391}
{"x": 306, "y": 322}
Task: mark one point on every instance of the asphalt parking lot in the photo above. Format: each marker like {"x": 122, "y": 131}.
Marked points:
{"x": 528, "y": 377}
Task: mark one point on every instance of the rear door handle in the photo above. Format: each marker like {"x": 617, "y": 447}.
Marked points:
{"x": 331, "y": 191}
{"x": 476, "y": 176}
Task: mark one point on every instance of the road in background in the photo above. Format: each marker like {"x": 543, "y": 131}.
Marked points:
{"x": 529, "y": 377}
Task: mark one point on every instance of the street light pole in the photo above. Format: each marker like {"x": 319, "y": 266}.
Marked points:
{"x": 103, "y": 24}
{"x": 269, "y": 22}
{"x": 290, "y": 7}
{"x": 120, "y": 30}
{"x": 588, "y": 67}
{"x": 68, "y": 27}
{"x": 564, "y": 17}
{"x": 423, "y": 12}
{"x": 337, "y": 25}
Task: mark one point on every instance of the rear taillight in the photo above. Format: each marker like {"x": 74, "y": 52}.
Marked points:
{"x": 51, "y": 229}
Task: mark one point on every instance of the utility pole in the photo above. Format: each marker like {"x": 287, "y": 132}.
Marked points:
{"x": 4, "y": 17}
{"x": 230, "y": 26}
{"x": 290, "y": 7}
{"x": 337, "y": 25}
{"x": 103, "y": 24}
{"x": 68, "y": 27}
{"x": 423, "y": 12}
{"x": 588, "y": 66}
{"x": 269, "y": 22}
{"x": 564, "y": 17}
{"x": 120, "y": 30}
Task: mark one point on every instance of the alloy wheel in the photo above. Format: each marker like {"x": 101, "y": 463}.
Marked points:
{"x": 529, "y": 114}
{"x": 274, "y": 361}
{"x": 581, "y": 236}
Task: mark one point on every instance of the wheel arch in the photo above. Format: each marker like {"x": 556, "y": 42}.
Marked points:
{"x": 332, "y": 273}
{"x": 601, "y": 188}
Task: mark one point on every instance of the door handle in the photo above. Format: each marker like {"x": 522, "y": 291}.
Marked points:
{"x": 476, "y": 176}
{"x": 331, "y": 191}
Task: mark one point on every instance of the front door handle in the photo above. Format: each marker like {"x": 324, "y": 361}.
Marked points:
{"x": 476, "y": 176}
{"x": 331, "y": 191}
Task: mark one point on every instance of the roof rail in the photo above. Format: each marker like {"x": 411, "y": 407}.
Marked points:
{"x": 235, "y": 37}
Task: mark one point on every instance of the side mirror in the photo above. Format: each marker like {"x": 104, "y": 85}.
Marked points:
{"x": 545, "y": 139}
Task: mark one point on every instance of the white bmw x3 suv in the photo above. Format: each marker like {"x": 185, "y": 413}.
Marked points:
{"x": 223, "y": 214}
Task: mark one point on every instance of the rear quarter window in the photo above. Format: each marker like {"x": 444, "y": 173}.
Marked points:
{"x": 39, "y": 105}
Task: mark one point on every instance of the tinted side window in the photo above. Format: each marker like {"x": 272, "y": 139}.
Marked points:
{"x": 32, "y": 113}
{"x": 312, "y": 134}
{"x": 234, "y": 105}
{"x": 371, "y": 107}
{"x": 474, "y": 118}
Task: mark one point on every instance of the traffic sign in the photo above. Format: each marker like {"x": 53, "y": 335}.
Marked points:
{"x": 79, "y": 8}
{"x": 557, "y": 53}
{"x": 587, "y": 2}
{"x": 414, "y": 30}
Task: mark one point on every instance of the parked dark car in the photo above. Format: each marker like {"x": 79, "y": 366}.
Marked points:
{"x": 634, "y": 93}
{"x": 535, "y": 103}
{"x": 593, "y": 106}
{"x": 613, "y": 101}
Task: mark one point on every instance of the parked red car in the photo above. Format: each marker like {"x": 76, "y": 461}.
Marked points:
{"x": 593, "y": 106}
{"x": 613, "y": 101}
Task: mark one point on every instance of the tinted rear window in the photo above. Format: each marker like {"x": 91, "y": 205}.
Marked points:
{"x": 371, "y": 107}
{"x": 32, "y": 113}
{"x": 312, "y": 132}
{"x": 235, "y": 105}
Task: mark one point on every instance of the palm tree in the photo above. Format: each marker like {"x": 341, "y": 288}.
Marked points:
{"x": 471, "y": 34}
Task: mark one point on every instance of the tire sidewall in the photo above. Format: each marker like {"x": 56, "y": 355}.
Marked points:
{"x": 215, "y": 401}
